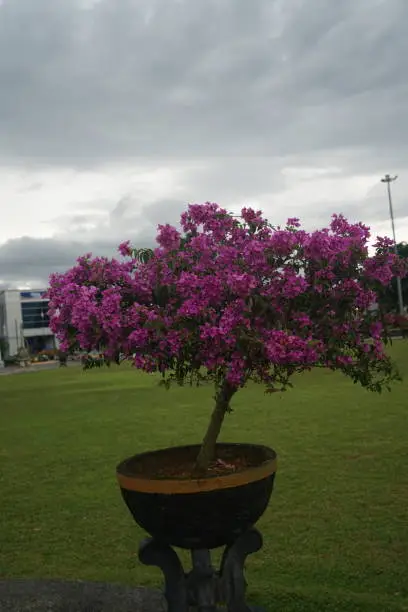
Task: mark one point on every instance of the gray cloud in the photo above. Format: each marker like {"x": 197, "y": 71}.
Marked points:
{"x": 245, "y": 88}
{"x": 31, "y": 260}
{"x": 209, "y": 77}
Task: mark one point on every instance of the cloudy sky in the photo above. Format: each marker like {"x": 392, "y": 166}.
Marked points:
{"x": 114, "y": 114}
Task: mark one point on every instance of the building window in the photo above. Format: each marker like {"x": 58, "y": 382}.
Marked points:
{"x": 35, "y": 314}
{"x": 28, "y": 295}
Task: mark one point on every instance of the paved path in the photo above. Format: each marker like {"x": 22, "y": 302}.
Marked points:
{"x": 35, "y": 367}
{"x": 59, "y": 596}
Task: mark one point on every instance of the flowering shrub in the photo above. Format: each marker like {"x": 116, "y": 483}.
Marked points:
{"x": 397, "y": 323}
{"x": 231, "y": 300}
{"x": 396, "y": 320}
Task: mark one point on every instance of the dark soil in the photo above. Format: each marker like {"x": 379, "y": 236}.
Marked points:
{"x": 179, "y": 463}
{"x": 183, "y": 470}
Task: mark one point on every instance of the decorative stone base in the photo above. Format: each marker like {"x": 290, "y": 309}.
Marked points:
{"x": 204, "y": 588}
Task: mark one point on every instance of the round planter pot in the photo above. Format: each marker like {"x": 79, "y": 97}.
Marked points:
{"x": 201, "y": 513}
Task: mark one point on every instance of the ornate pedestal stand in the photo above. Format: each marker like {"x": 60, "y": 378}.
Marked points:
{"x": 203, "y": 588}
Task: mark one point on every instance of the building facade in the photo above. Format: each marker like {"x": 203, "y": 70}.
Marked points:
{"x": 24, "y": 322}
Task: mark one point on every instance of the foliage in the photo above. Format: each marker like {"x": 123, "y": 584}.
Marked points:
{"x": 388, "y": 295}
{"x": 11, "y": 360}
{"x": 4, "y": 347}
{"x": 90, "y": 361}
{"x": 47, "y": 354}
{"x": 232, "y": 300}
{"x": 397, "y": 323}
{"x": 396, "y": 320}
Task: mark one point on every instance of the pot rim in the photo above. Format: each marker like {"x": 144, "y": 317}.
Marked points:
{"x": 172, "y": 486}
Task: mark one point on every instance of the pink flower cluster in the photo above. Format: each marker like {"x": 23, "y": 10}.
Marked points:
{"x": 236, "y": 299}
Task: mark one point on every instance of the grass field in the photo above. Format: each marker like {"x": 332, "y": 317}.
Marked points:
{"x": 336, "y": 531}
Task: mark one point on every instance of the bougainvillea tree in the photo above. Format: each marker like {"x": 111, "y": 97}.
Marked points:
{"x": 231, "y": 299}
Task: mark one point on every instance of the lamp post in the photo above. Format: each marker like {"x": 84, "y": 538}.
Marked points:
{"x": 389, "y": 179}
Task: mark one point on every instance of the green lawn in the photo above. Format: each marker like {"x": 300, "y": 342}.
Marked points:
{"x": 336, "y": 531}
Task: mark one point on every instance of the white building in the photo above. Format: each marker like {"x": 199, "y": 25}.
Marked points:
{"x": 24, "y": 322}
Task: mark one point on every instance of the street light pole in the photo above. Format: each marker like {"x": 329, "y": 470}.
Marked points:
{"x": 389, "y": 179}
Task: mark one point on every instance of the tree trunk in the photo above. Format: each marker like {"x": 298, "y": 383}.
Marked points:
{"x": 207, "y": 450}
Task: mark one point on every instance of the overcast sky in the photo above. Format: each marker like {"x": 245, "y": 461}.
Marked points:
{"x": 114, "y": 114}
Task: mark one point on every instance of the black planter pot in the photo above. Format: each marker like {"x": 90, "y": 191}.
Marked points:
{"x": 203, "y": 513}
